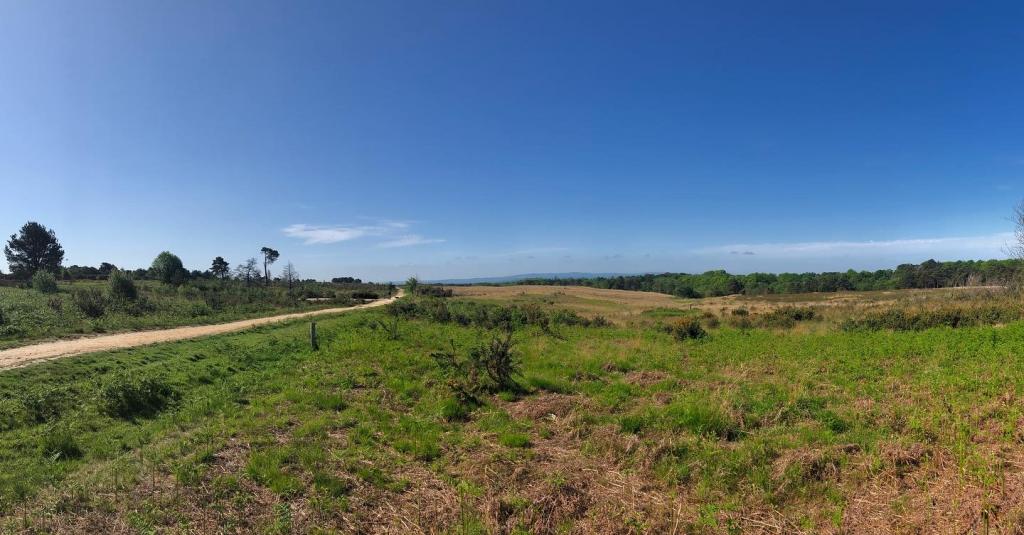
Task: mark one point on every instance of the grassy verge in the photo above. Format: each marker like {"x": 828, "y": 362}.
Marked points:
{"x": 616, "y": 429}
{"x": 28, "y": 316}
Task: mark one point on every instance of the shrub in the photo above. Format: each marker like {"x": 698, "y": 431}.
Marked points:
{"x": 44, "y": 282}
{"x": 121, "y": 286}
{"x": 55, "y": 303}
{"x": 490, "y": 367}
{"x": 130, "y": 396}
{"x": 947, "y": 316}
{"x": 786, "y": 317}
{"x": 490, "y": 316}
{"x": 45, "y": 403}
{"x": 686, "y": 329}
{"x": 498, "y": 361}
{"x": 433, "y": 291}
{"x": 90, "y": 301}
{"x": 365, "y": 294}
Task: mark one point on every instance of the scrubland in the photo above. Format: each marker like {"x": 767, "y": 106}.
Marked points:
{"x": 509, "y": 411}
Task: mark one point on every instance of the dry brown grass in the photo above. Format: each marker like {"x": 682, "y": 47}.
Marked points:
{"x": 628, "y": 307}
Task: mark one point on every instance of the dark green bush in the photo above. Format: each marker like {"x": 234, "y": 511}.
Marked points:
{"x": 498, "y": 361}
{"x": 130, "y": 396}
{"x": 44, "y": 282}
{"x": 685, "y": 329}
{"x": 121, "y": 286}
{"x": 785, "y": 317}
{"x": 365, "y": 295}
{"x": 489, "y": 368}
{"x": 90, "y": 301}
{"x": 433, "y": 291}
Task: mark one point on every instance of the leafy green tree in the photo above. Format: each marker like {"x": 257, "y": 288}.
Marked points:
{"x": 269, "y": 257}
{"x": 168, "y": 269}
{"x": 412, "y": 285}
{"x": 220, "y": 268}
{"x": 34, "y": 248}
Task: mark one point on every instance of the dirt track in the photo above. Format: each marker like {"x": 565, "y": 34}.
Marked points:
{"x": 25, "y": 355}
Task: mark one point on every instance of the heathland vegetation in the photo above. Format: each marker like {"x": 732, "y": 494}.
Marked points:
{"x": 42, "y": 299}
{"x": 509, "y": 413}
{"x": 929, "y": 274}
{"x": 535, "y": 409}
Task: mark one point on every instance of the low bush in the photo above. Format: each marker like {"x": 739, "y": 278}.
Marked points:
{"x": 44, "y": 282}
{"x": 489, "y": 316}
{"x": 898, "y": 319}
{"x": 43, "y": 403}
{"x": 365, "y": 295}
{"x": 685, "y": 329}
{"x": 89, "y": 301}
{"x": 130, "y": 396}
{"x": 121, "y": 286}
{"x": 433, "y": 291}
{"x": 489, "y": 367}
{"x": 785, "y": 317}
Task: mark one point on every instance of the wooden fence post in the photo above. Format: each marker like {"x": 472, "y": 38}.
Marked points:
{"x": 312, "y": 336}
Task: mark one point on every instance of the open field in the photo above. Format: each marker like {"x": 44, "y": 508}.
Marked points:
{"x": 624, "y": 428}
{"x": 831, "y": 308}
{"x": 87, "y": 307}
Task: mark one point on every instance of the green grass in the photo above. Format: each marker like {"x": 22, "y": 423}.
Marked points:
{"x": 27, "y": 315}
{"x": 744, "y": 420}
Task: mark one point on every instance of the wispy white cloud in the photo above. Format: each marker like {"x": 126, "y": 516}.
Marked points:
{"x": 393, "y": 232}
{"x": 408, "y": 240}
{"x": 311, "y": 234}
{"x": 992, "y": 242}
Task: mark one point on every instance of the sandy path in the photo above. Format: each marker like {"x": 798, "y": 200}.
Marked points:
{"x": 22, "y": 356}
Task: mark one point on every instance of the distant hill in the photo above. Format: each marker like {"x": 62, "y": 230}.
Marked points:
{"x": 525, "y": 276}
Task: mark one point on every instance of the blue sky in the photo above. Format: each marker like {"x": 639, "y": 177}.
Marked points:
{"x": 458, "y": 139}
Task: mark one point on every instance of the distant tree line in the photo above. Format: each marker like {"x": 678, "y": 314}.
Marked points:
{"x": 35, "y": 249}
{"x": 929, "y": 274}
